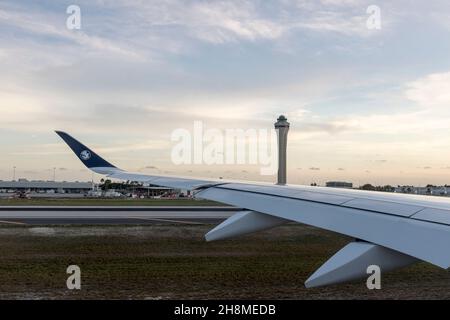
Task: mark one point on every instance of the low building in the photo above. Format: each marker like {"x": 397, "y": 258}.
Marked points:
{"x": 339, "y": 184}
{"x": 23, "y": 185}
{"x": 428, "y": 190}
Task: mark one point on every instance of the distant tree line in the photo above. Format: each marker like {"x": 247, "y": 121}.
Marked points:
{"x": 127, "y": 185}
{"x": 386, "y": 188}
{"x": 404, "y": 189}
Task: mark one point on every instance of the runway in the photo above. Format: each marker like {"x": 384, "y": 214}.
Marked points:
{"x": 23, "y": 215}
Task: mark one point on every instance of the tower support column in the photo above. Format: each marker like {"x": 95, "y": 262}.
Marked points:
{"x": 282, "y": 129}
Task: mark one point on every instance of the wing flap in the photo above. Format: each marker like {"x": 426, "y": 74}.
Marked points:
{"x": 290, "y": 192}
{"x": 433, "y": 215}
{"x": 400, "y": 209}
{"x": 319, "y": 196}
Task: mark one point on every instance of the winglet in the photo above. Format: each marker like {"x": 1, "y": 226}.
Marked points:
{"x": 89, "y": 158}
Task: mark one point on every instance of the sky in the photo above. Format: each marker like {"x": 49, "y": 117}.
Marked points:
{"x": 366, "y": 105}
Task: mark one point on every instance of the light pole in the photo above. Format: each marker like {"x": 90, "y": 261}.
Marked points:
{"x": 14, "y": 173}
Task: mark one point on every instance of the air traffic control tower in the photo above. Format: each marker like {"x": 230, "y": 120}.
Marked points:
{"x": 282, "y": 129}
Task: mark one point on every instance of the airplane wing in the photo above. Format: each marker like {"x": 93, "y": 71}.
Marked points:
{"x": 390, "y": 230}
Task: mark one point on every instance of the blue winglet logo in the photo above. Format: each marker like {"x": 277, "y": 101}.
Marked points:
{"x": 85, "y": 155}
{"x": 89, "y": 158}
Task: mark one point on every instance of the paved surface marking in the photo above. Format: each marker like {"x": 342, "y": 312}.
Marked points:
{"x": 12, "y": 222}
{"x": 167, "y": 220}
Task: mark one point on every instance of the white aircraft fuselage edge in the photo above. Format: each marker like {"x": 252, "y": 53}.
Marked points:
{"x": 390, "y": 230}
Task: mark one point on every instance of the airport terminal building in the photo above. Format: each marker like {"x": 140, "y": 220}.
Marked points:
{"x": 48, "y": 189}
{"x": 24, "y": 185}
{"x": 339, "y": 184}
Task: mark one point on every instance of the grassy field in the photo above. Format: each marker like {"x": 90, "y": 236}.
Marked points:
{"x": 173, "y": 261}
{"x": 107, "y": 202}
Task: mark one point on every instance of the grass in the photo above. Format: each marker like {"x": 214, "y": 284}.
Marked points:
{"x": 173, "y": 261}
{"x": 107, "y": 202}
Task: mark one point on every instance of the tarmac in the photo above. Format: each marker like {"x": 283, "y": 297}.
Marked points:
{"x": 113, "y": 214}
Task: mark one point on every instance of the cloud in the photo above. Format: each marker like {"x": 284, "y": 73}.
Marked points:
{"x": 75, "y": 78}
{"x": 220, "y": 22}
{"x": 335, "y": 22}
{"x": 49, "y": 25}
{"x": 150, "y": 145}
{"x": 30, "y": 172}
{"x": 431, "y": 91}
{"x": 338, "y": 17}
{"x": 413, "y": 121}
{"x": 331, "y": 127}
{"x": 146, "y": 168}
{"x": 223, "y": 22}
{"x": 215, "y": 22}
{"x": 351, "y": 3}
{"x": 298, "y": 114}
{"x": 125, "y": 86}
{"x": 314, "y": 169}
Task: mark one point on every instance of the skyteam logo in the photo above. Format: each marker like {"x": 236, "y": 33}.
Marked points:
{"x": 85, "y": 155}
